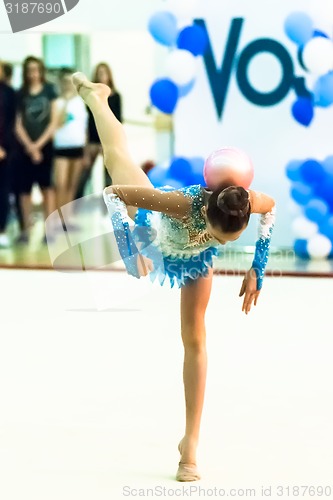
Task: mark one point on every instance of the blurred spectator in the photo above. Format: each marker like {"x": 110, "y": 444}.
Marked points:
{"x": 7, "y": 78}
{"x": 7, "y": 73}
{"x": 102, "y": 74}
{"x": 36, "y": 123}
{"x": 7, "y": 120}
{"x": 69, "y": 141}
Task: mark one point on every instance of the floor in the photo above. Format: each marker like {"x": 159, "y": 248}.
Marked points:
{"x": 91, "y": 394}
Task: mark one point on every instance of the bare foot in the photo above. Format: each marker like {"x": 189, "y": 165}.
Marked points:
{"x": 90, "y": 91}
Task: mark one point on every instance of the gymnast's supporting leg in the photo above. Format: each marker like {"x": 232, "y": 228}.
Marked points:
{"x": 194, "y": 300}
{"x": 117, "y": 158}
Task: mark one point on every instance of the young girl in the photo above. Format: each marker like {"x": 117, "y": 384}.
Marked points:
{"x": 69, "y": 140}
{"x": 178, "y": 232}
{"x": 35, "y": 127}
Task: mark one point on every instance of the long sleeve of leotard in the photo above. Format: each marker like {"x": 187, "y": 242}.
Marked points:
{"x": 120, "y": 222}
{"x": 173, "y": 203}
{"x": 265, "y": 206}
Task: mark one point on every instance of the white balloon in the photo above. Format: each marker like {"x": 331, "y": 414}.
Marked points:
{"x": 293, "y": 208}
{"x": 181, "y": 67}
{"x": 318, "y": 55}
{"x": 304, "y": 228}
{"x": 319, "y": 246}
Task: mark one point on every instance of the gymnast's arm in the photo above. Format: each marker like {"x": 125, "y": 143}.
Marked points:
{"x": 265, "y": 206}
{"x": 118, "y": 198}
{"x": 173, "y": 203}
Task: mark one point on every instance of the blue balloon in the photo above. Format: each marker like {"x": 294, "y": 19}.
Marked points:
{"x": 301, "y": 193}
{"x": 316, "y": 210}
{"x": 194, "y": 39}
{"x": 324, "y": 190}
{"x": 198, "y": 179}
{"x": 293, "y": 170}
{"x": 163, "y": 28}
{"x": 157, "y": 175}
{"x": 318, "y": 33}
{"x": 302, "y": 111}
{"x": 197, "y": 164}
{"x": 328, "y": 165}
{"x": 300, "y": 248}
{"x": 184, "y": 90}
{"x": 164, "y": 95}
{"x": 326, "y": 227}
{"x": 299, "y": 27}
{"x": 323, "y": 91}
{"x": 320, "y": 101}
{"x": 312, "y": 172}
{"x": 181, "y": 170}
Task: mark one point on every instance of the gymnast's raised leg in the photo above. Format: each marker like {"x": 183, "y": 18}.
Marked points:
{"x": 117, "y": 159}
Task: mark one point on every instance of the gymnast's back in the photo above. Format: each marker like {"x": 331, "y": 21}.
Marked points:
{"x": 174, "y": 215}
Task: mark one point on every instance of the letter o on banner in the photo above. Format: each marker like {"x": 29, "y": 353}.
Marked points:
{"x": 280, "y": 92}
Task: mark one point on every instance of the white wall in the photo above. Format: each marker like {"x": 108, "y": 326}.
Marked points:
{"x": 131, "y": 57}
{"x": 14, "y": 48}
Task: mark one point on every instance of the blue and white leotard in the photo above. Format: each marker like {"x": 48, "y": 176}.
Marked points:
{"x": 186, "y": 249}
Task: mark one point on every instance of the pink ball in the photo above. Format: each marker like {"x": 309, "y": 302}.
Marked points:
{"x": 228, "y": 165}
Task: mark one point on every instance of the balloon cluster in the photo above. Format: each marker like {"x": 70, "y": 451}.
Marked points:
{"x": 179, "y": 173}
{"x": 186, "y": 42}
{"x": 312, "y": 190}
{"x": 315, "y": 53}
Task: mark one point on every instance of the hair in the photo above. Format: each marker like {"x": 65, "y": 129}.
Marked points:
{"x": 26, "y": 62}
{"x": 229, "y": 208}
{"x": 65, "y": 72}
{"x": 109, "y": 73}
{"x": 7, "y": 70}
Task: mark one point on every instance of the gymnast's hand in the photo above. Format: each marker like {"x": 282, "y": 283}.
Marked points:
{"x": 36, "y": 156}
{"x": 145, "y": 265}
{"x": 3, "y": 153}
{"x": 249, "y": 288}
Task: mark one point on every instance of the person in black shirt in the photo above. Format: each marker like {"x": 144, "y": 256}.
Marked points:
{"x": 102, "y": 74}
{"x": 36, "y": 123}
{"x": 7, "y": 119}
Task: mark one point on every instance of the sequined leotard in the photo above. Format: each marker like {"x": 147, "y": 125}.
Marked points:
{"x": 171, "y": 230}
{"x": 184, "y": 244}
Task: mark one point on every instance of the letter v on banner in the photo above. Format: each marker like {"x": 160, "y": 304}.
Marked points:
{"x": 219, "y": 79}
